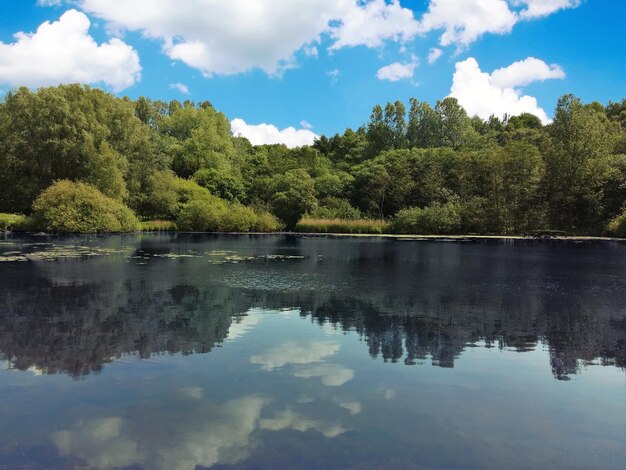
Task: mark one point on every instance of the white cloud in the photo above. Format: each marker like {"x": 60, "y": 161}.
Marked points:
{"x": 64, "y": 52}
{"x": 372, "y": 23}
{"x": 526, "y": 71}
{"x": 184, "y": 89}
{"x": 484, "y": 94}
{"x": 464, "y": 21}
{"x": 334, "y": 76}
{"x": 49, "y": 3}
{"x": 306, "y": 124}
{"x": 331, "y": 375}
{"x": 261, "y": 134}
{"x": 397, "y": 71}
{"x": 539, "y": 8}
{"x": 434, "y": 54}
{"x": 225, "y": 38}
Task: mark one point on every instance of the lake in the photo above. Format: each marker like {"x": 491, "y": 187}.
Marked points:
{"x": 204, "y": 351}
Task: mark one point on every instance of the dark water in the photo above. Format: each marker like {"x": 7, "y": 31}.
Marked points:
{"x": 182, "y": 352}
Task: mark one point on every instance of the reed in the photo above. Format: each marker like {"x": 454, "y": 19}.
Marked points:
{"x": 158, "y": 226}
{"x": 364, "y": 226}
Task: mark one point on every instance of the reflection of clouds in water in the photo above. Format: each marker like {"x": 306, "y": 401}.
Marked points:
{"x": 192, "y": 433}
{"x": 289, "y": 419}
{"x": 388, "y": 392}
{"x": 332, "y": 375}
{"x": 291, "y": 352}
{"x": 100, "y": 442}
{"x": 243, "y": 323}
{"x": 354, "y": 407}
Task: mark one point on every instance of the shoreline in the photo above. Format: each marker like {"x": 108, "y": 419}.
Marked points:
{"x": 392, "y": 236}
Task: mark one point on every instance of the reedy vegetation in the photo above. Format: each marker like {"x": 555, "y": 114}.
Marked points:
{"x": 73, "y": 158}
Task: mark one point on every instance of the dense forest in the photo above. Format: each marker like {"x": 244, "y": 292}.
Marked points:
{"x": 77, "y": 159}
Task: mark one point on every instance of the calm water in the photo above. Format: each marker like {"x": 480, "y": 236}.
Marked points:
{"x": 182, "y": 352}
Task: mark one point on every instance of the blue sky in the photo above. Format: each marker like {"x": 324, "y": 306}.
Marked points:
{"x": 320, "y": 65}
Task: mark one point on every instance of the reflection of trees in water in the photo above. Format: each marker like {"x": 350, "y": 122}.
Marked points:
{"x": 58, "y": 325}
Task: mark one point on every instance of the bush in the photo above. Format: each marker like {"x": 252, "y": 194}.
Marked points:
{"x": 363, "y": 226}
{"x": 216, "y": 215}
{"x": 432, "y": 220}
{"x": 202, "y": 215}
{"x": 617, "y": 226}
{"x": 13, "y": 222}
{"x": 71, "y": 207}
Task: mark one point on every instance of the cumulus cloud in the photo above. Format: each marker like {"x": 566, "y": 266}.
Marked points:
{"x": 260, "y": 134}
{"x": 434, "y": 55}
{"x": 184, "y": 89}
{"x": 484, "y": 94}
{"x": 397, "y": 71}
{"x": 464, "y": 21}
{"x": 64, "y": 52}
{"x": 372, "y": 23}
{"x": 538, "y": 8}
{"x": 231, "y": 37}
{"x": 353, "y": 407}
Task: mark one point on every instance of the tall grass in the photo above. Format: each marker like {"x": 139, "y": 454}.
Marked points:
{"x": 364, "y": 226}
{"x": 158, "y": 226}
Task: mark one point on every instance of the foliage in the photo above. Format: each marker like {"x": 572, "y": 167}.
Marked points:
{"x": 334, "y": 208}
{"x": 363, "y": 226}
{"x": 431, "y": 220}
{"x": 617, "y": 226}
{"x": 12, "y": 222}
{"x": 70, "y": 207}
{"x": 174, "y": 161}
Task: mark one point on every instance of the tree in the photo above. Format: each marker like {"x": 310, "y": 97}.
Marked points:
{"x": 293, "y": 196}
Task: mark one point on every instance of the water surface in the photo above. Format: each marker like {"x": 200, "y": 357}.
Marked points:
{"x": 200, "y": 351}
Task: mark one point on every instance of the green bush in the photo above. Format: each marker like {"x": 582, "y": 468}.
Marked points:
{"x": 617, "y": 226}
{"x": 213, "y": 214}
{"x": 71, "y": 207}
{"x": 363, "y": 226}
{"x": 432, "y": 220}
{"x": 13, "y": 222}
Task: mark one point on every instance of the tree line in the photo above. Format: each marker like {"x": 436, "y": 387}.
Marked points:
{"x": 74, "y": 158}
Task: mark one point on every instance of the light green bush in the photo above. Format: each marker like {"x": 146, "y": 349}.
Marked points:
{"x": 72, "y": 207}
{"x": 12, "y": 222}
{"x": 617, "y": 226}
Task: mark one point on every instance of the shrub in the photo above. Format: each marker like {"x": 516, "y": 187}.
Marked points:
{"x": 363, "y": 226}
{"x": 432, "y": 220}
{"x": 617, "y": 226}
{"x": 266, "y": 222}
{"x": 12, "y": 222}
{"x": 71, "y": 207}
{"x": 202, "y": 215}
{"x": 213, "y": 214}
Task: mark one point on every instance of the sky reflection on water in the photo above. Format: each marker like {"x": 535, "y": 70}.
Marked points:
{"x": 252, "y": 352}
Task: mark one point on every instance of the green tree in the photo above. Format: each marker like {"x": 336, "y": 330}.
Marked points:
{"x": 293, "y": 195}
